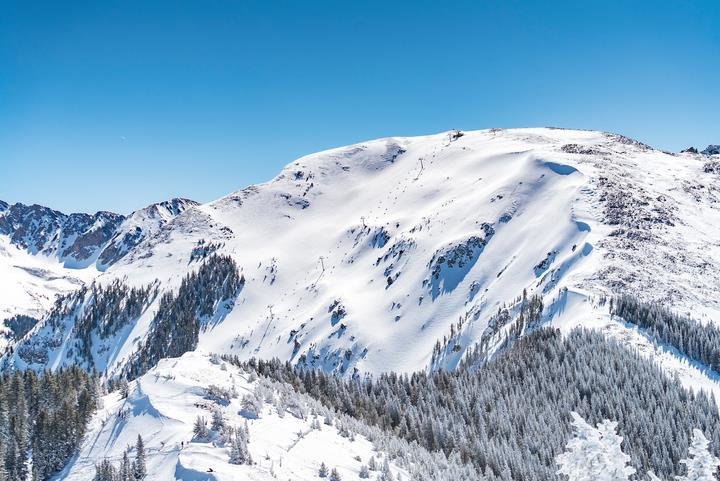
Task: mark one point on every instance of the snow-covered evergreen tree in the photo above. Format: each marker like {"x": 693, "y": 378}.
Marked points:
{"x": 200, "y": 429}
{"x": 139, "y": 467}
{"x": 217, "y": 420}
{"x": 385, "y": 473}
{"x": 702, "y": 465}
{"x": 124, "y": 388}
{"x": 323, "y": 471}
{"x": 105, "y": 471}
{"x": 239, "y": 453}
{"x": 251, "y": 405}
{"x": 594, "y": 454}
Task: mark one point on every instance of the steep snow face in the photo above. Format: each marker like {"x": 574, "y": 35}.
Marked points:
{"x": 287, "y": 440}
{"x": 362, "y": 257}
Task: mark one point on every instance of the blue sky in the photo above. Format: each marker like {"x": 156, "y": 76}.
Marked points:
{"x": 113, "y": 105}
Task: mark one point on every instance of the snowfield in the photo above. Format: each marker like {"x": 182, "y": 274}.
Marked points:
{"x": 164, "y": 404}
{"x": 361, "y": 258}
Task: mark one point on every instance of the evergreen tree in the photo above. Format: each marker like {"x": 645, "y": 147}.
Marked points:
{"x": 239, "y": 453}
{"x": 125, "y": 468}
{"x": 105, "y": 471}
{"x": 323, "y": 471}
{"x": 701, "y": 465}
{"x": 217, "y": 420}
{"x": 385, "y": 473}
{"x": 200, "y": 428}
{"x": 139, "y": 467}
{"x": 124, "y": 388}
{"x": 334, "y": 475}
{"x": 594, "y": 454}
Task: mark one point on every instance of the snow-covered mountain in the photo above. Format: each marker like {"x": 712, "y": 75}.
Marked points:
{"x": 364, "y": 257}
{"x": 398, "y": 254}
{"x": 44, "y": 252}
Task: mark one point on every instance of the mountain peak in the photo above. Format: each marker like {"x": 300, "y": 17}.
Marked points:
{"x": 711, "y": 150}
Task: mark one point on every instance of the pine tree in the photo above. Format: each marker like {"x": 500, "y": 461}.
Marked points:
{"x": 105, "y": 471}
{"x": 334, "y": 475}
{"x": 3, "y": 472}
{"x": 125, "y": 468}
{"x": 364, "y": 473}
{"x": 124, "y": 388}
{"x": 217, "y": 420}
{"x": 323, "y": 471}
{"x": 239, "y": 453}
{"x": 386, "y": 474}
{"x": 594, "y": 454}
{"x": 701, "y": 465}
{"x": 139, "y": 468}
{"x": 200, "y": 428}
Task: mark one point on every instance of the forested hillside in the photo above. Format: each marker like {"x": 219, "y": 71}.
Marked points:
{"x": 510, "y": 418}
{"x": 43, "y": 419}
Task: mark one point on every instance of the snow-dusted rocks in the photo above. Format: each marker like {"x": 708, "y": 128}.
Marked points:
{"x": 711, "y": 150}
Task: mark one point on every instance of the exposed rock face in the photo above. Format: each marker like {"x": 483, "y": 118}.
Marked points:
{"x": 74, "y": 238}
{"x": 139, "y": 225}
{"x": 79, "y": 239}
{"x": 712, "y": 150}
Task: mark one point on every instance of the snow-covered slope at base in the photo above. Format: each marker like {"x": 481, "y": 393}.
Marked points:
{"x": 363, "y": 256}
{"x": 164, "y": 404}
{"x": 29, "y": 284}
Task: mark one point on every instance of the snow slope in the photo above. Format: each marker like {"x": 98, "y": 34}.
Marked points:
{"x": 362, "y": 257}
{"x": 285, "y": 442}
{"x": 44, "y": 253}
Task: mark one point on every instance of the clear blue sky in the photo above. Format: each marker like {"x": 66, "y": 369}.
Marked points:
{"x": 113, "y": 105}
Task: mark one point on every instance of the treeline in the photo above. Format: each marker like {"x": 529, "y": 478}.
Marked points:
{"x": 43, "y": 417}
{"x": 509, "y": 418}
{"x": 108, "y": 309}
{"x": 697, "y": 341}
{"x": 134, "y": 470}
{"x": 176, "y": 326}
{"x": 523, "y": 313}
{"x": 96, "y": 310}
{"x": 19, "y": 325}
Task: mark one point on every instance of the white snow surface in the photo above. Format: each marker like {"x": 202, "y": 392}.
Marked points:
{"x": 361, "y": 257}
{"x": 163, "y": 406}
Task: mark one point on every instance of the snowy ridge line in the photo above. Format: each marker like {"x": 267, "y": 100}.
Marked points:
{"x": 349, "y": 253}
